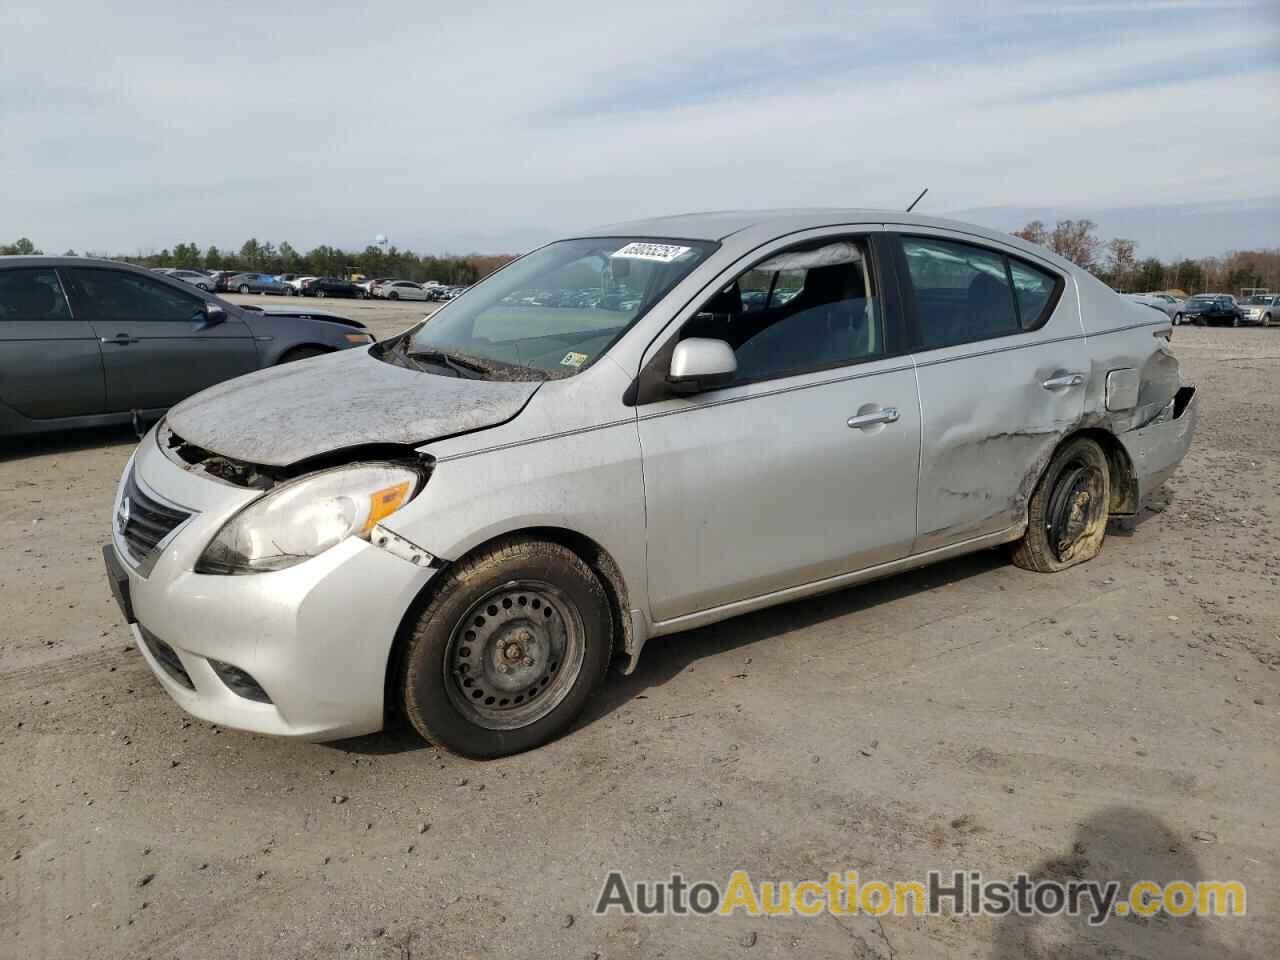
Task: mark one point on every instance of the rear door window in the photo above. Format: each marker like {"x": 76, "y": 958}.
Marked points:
{"x": 965, "y": 292}
{"x": 32, "y": 295}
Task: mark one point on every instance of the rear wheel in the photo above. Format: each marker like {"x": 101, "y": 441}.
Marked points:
{"x": 320, "y": 292}
{"x": 1067, "y": 515}
{"x": 1177, "y": 319}
{"x": 393, "y": 295}
{"x": 244, "y": 288}
{"x": 507, "y": 651}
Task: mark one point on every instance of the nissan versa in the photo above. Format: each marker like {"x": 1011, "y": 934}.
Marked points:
{"x": 643, "y": 429}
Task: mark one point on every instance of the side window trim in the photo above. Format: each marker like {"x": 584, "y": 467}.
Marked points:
{"x": 910, "y": 307}
{"x": 650, "y": 384}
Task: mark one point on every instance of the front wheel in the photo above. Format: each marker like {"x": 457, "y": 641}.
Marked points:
{"x": 1067, "y": 515}
{"x": 1235, "y": 321}
{"x": 1177, "y": 319}
{"x": 507, "y": 651}
{"x": 393, "y": 295}
{"x": 320, "y": 293}
{"x": 244, "y": 288}
{"x": 1266, "y": 320}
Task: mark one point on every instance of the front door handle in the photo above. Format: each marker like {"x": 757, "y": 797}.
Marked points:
{"x": 123, "y": 339}
{"x": 873, "y": 417}
{"x": 1066, "y": 380}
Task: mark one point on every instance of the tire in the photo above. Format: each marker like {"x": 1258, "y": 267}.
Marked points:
{"x": 1067, "y": 515}
{"x": 1177, "y": 319}
{"x": 321, "y": 294}
{"x": 302, "y": 353}
{"x": 244, "y": 288}
{"x": 484, "y": 638}
{"x": 393, "y": 295}
{"x": 1235, "y": 320}
{"x": 1266, "y": 320}
{"x": 290, "y": 292}
{"x": 361, "y": 295}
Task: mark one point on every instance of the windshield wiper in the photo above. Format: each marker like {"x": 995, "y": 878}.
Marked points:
{"x": 463, "y": 368}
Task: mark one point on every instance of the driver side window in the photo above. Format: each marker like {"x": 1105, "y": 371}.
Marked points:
{"x": 807, "y": 308}
{"x": 118, "y": 295}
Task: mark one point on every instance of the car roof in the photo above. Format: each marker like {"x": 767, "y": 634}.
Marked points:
{"x": 720, "y": 225}
{"x": 47, "y": 261}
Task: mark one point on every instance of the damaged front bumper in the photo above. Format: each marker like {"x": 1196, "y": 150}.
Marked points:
{"x": 1156, "y": 449}
{"x": 300, "y": 652}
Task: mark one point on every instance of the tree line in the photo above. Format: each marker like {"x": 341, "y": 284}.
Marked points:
{"x": 1116, "y": 263}
{"x": 323, "y": 261}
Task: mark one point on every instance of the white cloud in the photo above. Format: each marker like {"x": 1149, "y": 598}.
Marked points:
{"x": 315, "y": 123}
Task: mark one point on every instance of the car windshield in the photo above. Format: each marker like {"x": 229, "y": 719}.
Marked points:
{"x": 1258, "y": 301}
{"x": 551, "y": 313}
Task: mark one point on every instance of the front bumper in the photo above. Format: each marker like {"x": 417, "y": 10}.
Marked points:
{"x": 315, "y": 637}
{"x": 1156, "y": 449}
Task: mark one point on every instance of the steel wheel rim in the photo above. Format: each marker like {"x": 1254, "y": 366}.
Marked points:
{"x": 1072, "y": 508}
{"x": 514, "y": 655}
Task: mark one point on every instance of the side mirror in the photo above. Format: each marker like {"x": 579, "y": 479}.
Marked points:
{"x": 700, "y": 363}
{"x": 213, "y": 314}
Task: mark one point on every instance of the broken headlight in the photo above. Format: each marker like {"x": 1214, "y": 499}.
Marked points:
{"x": 305, "y": 517}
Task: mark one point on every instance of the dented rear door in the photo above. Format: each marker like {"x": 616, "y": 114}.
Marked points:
{"x": 997, "y": 393}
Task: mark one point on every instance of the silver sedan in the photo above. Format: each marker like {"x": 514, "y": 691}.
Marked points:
{"x": 629, "y": 433}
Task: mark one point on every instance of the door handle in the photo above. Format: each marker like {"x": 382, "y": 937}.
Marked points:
{"x": 123, "y": 339}
{"x": 884, "y": 415}
{"x": 1066, "y": 380}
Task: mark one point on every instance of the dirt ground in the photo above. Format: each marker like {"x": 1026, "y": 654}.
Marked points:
{"x": 1119, "y": 720}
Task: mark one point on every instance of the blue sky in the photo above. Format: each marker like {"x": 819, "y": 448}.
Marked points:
{"x": 495, "y": 126}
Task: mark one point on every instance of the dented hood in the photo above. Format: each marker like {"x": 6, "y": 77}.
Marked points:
{"x": 279, "y": 416}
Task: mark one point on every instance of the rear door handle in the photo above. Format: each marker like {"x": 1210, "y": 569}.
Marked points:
{"x": 870, "y": 419}
{"x": 123, "y": 339}
{"x": 1066, "y": 380}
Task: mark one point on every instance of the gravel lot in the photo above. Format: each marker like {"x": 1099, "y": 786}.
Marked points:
{"x": 1119, "y": 720}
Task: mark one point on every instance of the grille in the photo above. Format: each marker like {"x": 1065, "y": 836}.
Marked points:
{"x": 144, "y": 521}
{"x": 166, "y": 657}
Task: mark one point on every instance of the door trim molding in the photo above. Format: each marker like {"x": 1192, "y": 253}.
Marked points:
{"x": 711, "y": 615}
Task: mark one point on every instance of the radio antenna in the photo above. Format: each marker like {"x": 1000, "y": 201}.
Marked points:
{"x": 917, "y": 199}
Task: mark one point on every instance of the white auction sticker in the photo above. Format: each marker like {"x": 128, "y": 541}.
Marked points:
{"x": 661, "y": 252}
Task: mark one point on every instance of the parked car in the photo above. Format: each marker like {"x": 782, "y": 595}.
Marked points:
{"x": 87, "y": 342}
{"x": 378, "y": 287}
{"x": 1211, "y": 309}
{"x": 297, "y": 283}
{"x": 257, "y": 283}
{"x": 1262, "y": 309}
{"x": 367, "y": 285}
{"x": 468, "y": 522}
{"x": 1169, "y": 306}
{"x": 331, "y": 287}
{"x": 194, "y": 277}
{"x": 220, "y": 278}
{"x": 402, "y": 290}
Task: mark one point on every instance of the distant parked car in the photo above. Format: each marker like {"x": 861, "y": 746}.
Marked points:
{"x": 331, "y": 287}
{"x": 220, "y": 278}
{"x": 1212, "y": 310}
{"x": 1171, "y": 307}
{"x": 1263, "y": 309}
{"x": 194, "y": 277}
{"x": 402, "y": 290}
{"x": 368, "y": 284}
{"x": 87, "y": 342}
{"x": 297, "y": 283}
{"x": 257, "y": 283}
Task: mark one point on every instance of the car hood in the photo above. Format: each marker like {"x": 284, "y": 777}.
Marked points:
{"x": 285, "y": 414}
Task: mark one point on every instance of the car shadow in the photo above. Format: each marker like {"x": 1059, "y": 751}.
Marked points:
{"x": 68, "y": 441}
{"x": 1126, "y": 845}
{"x": 666, "y": 657}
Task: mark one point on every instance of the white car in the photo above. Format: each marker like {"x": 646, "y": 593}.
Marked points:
{"x": 297, "y": 282}
{"x": 193, "y": 277}
{"x": 402, "y": 290}
{"x": 466, "y": 523}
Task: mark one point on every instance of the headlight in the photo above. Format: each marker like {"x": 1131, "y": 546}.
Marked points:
{"x": 305, "y": 517}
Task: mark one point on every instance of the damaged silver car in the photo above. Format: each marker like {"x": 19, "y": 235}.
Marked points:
{"x": 629, "y": 433}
